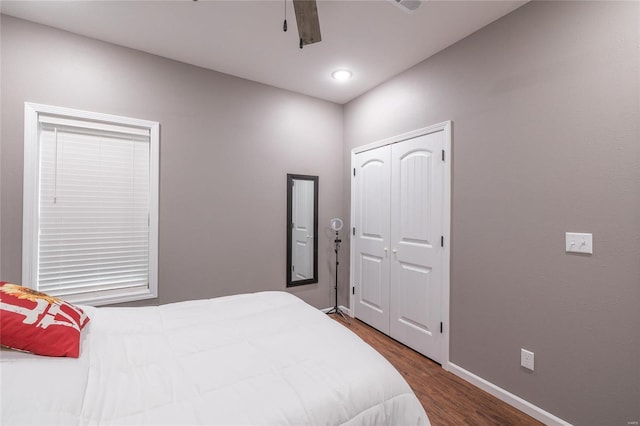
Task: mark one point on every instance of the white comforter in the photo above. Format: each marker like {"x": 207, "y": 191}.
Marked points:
{"x": 254, "y": 359}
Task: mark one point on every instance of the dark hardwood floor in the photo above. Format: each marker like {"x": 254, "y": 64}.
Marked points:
{"x": 447, "y": 399}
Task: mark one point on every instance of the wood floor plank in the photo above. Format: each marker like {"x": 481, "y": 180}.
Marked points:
{"x": 447, "y": 399}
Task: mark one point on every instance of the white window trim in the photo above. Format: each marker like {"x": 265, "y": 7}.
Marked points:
{"x": 31, "y": 197}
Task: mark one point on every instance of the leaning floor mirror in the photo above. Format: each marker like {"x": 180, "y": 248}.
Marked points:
{"x": 302, "y": 229}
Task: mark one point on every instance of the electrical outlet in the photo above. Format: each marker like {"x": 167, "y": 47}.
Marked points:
{"x": 526, "y": 359}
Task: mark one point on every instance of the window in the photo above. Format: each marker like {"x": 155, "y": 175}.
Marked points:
{"x": 90, "y": 205}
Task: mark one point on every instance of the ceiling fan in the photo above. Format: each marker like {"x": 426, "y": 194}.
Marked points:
{"x": 307, "y": 21}
{"x": 309, "y": 24}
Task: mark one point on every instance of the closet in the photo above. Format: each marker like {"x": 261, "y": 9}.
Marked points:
{"x": 400, "y": 226}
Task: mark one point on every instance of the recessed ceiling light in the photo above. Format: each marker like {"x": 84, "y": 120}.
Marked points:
{"x": 341, "y": 75}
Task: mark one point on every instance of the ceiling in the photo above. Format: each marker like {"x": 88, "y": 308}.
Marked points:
{"x": 374, "y": 39}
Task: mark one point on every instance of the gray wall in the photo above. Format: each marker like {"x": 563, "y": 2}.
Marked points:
{"x": 546, "y": 140}
{"x": 545, "y": 105}
{"x": 226, "y": 147}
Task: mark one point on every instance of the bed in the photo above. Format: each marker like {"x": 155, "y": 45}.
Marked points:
{"x": 253, "y": 359}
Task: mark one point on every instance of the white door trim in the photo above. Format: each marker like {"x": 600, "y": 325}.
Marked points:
{"x": 446, "y": 215}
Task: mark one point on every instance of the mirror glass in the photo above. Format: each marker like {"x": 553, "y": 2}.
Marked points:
{"x": 302, "y": 229}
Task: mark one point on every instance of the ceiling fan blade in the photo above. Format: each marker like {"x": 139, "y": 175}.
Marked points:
{"x": 307, "y": 20}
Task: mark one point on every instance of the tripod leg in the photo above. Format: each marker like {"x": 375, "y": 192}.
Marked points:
{"x": 344, "y": 317}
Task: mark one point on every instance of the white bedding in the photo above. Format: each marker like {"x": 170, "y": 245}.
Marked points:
{"x": 253, "y": 359}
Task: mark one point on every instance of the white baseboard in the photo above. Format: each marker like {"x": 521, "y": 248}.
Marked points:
{"x": 346, "y": 310}
{"x": 511, "y": 399}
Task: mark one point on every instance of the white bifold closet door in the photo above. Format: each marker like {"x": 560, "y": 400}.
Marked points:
{"x": 372, "y": 184}
{"x": 398, "y": 229}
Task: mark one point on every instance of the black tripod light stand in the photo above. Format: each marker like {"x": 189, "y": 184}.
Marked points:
{"x": 336, "y": 225}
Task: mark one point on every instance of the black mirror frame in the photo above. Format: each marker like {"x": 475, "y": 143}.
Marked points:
{"x": 290, "y": 178}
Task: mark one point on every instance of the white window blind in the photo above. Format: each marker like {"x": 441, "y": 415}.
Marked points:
{"x": 94, "y": 233}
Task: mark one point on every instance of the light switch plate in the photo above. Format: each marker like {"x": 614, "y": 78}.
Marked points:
{"x": 577, "y": 242}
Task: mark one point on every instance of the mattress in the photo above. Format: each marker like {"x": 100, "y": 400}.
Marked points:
{"x": 253, "y": 359}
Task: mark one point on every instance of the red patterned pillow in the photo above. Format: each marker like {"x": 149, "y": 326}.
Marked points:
{"x": 38, "y": 323}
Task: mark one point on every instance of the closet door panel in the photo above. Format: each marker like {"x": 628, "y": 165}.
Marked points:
{"x": 417, "y": 174}
{"x": 371, "y": 274}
